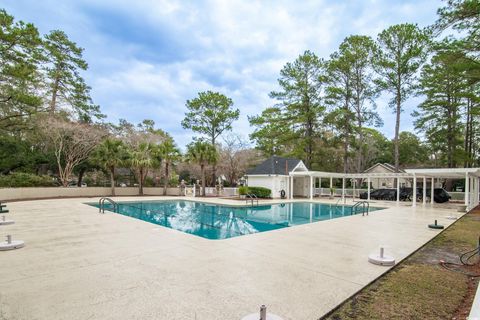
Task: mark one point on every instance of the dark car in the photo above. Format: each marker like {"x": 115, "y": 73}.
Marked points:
{"x": 380, "y": 194}
{"x": 440, "y": 195}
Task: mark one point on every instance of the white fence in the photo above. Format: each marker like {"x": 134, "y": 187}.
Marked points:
{"x": 224, "y": 192}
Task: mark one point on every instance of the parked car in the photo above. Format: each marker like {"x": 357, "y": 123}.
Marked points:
{"x": 380, "y": 194}
{"x": 440, "y": 195}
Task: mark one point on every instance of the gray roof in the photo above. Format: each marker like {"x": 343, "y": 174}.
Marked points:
{"x": 275, "y": 165}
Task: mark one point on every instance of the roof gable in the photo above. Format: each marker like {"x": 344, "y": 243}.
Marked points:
{"x": 385, "y": 166}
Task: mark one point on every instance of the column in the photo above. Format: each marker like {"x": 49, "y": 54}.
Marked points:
{"x": 368, "y": 189}
{"x": 311, "y": 188}
{"x": 320, "y": 186}
{"x": 398, "y": 190}
{"x": 414, "y": 191}
{"x": 424, "y": 191}
{"x": 291, "y": 187}
{"x": 353, "y": 193}
{"x": 331, "y": 186}
{"x": 343, "y": 190}
{"x": 432, "y": 192}
{"x": 467, "y": 190}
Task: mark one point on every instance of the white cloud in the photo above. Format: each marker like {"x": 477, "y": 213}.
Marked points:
{"x": 156, "y": 54}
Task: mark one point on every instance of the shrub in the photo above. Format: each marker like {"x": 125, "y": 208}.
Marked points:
{"x": 260, "y": 192}
{"x": 243, "y": 190}
{"x": 20, "y": 179}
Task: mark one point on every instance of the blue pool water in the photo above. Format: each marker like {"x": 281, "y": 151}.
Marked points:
{"x": 221, "y": 222}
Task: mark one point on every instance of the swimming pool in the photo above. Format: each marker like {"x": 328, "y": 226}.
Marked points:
{"x": 213, "y": 221}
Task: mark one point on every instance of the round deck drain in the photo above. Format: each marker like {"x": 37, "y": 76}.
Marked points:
{"x": 381, "y": 258}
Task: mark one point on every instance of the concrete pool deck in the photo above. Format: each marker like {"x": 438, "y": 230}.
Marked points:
{"x": 79, "y": 264}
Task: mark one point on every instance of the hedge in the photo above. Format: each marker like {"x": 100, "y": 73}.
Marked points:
{"x": 21, "y": 179}
{"x": 260, "y": 192}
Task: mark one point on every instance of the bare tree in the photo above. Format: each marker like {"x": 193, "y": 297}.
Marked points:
{"x": 235, "y": 157}
{"x": 72, "y": 143}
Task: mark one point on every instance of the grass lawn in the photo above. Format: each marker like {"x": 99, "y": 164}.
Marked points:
{"x": 419, "y": 287}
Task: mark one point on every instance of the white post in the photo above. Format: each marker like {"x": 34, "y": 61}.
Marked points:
{"x": 424, "y": 191}
{"x": 343, "y": 190}
{"x": 432, "y": 193}
{"x": 475, "y": 192}
{"x": 467, "y": 187}
{"x": 353, "y": 194}
{"x": 398, "y": 190}
{"x": 311, "y": 188}
{"x": 414, "y": 191}
{"x": 320, "y": 186}
{"x": 368, "y": 189}
{"x": 292, "y": 186}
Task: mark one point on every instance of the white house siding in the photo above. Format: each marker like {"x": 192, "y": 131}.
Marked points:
{"x": 377, "y": 183}
{"x": 274, "y": 183}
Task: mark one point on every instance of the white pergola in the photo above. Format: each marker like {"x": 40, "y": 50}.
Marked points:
{"x": 471, "y": 176}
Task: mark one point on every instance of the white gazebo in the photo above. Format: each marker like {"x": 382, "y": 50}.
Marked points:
{"x": 471, "y": 176}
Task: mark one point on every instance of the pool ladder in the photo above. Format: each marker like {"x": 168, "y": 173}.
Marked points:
{"x": 101, "y": 204}
{"x": 251, "y": 197}
{"x": 364, "y": 204}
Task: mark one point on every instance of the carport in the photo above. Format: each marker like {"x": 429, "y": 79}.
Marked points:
{"x": 471, "y": 176}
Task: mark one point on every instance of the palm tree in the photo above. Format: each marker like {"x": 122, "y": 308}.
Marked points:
{"x": 110, "y": 154}
{"x": 202, "y": 153}
{"x": 169, "y": 153}
{"x": 141, "y": 158}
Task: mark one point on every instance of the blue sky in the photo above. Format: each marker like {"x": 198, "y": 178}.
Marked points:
{"x": 147, "y": 57}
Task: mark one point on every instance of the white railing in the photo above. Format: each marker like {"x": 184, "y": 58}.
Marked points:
{"x": 224, "y": 192}
{"x": 324, "y": 192}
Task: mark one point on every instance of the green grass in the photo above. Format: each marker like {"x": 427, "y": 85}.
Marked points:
{"x": 419, "y": 288}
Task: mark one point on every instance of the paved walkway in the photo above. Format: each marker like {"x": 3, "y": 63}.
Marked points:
{"x": 78, "y": 264}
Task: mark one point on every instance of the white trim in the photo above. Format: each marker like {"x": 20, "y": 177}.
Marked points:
{"x": 299, "y": 164}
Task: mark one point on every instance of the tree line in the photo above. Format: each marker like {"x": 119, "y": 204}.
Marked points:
{"x": 326, "y": 108}
{"x": 49, "y": 122}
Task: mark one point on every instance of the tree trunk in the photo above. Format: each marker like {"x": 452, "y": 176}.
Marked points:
{"x": 165, "y": 185}
{"x": 112, "y": 180}
{"x": 80, "y": 176}
{"x": 345, "y": 155}
{"x": 53, "y": 102}
{"x": 140, "y": 183}
{"x": 202, "y": 168}
{"x": 397, "y": 131}
{"x": 214, "y": 166}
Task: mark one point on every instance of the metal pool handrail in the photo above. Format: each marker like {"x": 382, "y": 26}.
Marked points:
{"x": 101, "y": 204}
{"x": 364, "y": 204}
{"x": 252, "y": 197}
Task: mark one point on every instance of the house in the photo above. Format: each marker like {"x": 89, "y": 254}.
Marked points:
{"x": 274, "y": 173}
{"x": 387, "y": 182}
